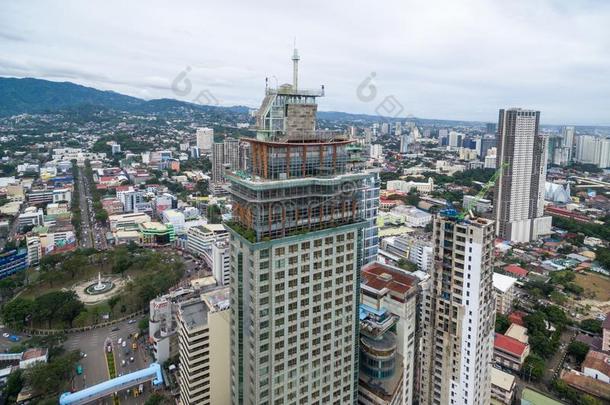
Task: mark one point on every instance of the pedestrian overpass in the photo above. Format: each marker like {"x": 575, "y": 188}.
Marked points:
{"x": 106, "y": 388}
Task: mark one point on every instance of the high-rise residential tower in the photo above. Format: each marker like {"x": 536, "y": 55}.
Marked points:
{"x": 205, "y": 139}
{"x": 519, "y": 191}
{"x": 231, "y": 153}
{"x": 458, "y": 314}
{"x": 218, "y": 162}
{"x": 568, "y": 141}
{"x": 296, "y": 247}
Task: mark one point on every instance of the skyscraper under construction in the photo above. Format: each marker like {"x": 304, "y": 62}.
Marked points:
{"x": 296, "y": 252}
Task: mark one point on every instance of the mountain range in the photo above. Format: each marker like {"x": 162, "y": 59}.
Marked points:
{"x": 36, "y": 96}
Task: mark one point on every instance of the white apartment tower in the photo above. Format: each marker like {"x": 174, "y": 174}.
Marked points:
{"x": 205, "y": 139}
{"x": 519, "y": 191}
{"x": 458, "y": 314}
{"x": 204, "y": 349}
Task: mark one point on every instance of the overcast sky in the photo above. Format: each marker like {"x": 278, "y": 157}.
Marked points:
{"x": 439, "y": 59}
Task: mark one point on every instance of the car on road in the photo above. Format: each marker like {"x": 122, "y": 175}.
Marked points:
{"x": 131, "y": 359}
{"x": 14, "y": 338}
{"x": 124, "y": 344}
{"x": 116, "y": 328}
{"x": 131, "y": 321}
{"x": 6, "y": 335}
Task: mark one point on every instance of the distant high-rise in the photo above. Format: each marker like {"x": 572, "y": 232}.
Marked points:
{"x": 487, "y": 142}
{"x": 519, "y": 191}
{"x": 404, "y": 143}
{"x": 296, "y": 252}
{"x": 231, "y": 153}
{"x": 205, "y": 139}
{"x": 568, "y": 141}
{"x": 593, "y": 150}
{"x": 218, "y": 161}
{"x": 490, "y": 128}
{"x": 455, "y": 139}
{"x": 458, "y": 315}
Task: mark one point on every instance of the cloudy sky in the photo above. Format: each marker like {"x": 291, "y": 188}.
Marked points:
{"x": 438, "y": 59}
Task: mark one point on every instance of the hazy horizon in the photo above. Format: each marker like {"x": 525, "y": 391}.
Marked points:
{"x": 438, "y": 60}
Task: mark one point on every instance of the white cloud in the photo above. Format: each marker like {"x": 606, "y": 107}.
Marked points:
{"x": 441, "y": 59}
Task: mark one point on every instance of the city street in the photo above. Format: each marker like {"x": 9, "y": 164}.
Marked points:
{"x": 94, "y": 364}
{"x": 86, "y": 238}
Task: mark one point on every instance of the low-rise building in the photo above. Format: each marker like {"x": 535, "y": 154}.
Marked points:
{"x": 412, "y": 216}
{"x": 127, "y": 221}
{"x": 509, "y": 352}
{"x": 517, "y": 332}
{"x": 12, "y": 262}
{"x": 502, "y": 386}
{"x": 504, "y": 287}
{"x": 156, "y": 234}
{"x": 31, "y": 217}
{"x": 597, "y": 365}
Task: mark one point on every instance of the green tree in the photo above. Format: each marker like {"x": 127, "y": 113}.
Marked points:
{"x": 591, "y": 325}
{"x": 156, "y": 399}
{"x": 502, "y": 323}
{"x": 143, "y": 324}
{"x": 533, "y": 368}
{"x": 52, "y": 377}
{"x": 16, "y": 312}
{"x": 14, "y": 384}
{"x": 579, "y": 350}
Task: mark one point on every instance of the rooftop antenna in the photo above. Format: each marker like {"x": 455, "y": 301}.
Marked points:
{"x": 295, "y": 66}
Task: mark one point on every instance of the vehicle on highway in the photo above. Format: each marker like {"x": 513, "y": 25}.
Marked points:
{"x": 14, "y": 338}
{"x": 116, "y": 328}
{"x": 131, "y": 321}
{"x": 131, "y": 359}
{"x": 6, "y": 335}
{"x": 124, "y": 344}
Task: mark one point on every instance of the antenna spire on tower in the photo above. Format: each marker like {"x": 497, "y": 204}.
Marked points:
{"x": 295, "y": 66}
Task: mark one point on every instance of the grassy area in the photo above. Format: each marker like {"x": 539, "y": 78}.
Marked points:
{"x": 111, "y": 364}
{"x": 595, "y": 285}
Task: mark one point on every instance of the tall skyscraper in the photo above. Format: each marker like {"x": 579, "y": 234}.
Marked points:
{"x": 231, "y": 153}
{"x": 568, "y": 141}
{"x": 404, "y": 143}
{"x": 457, "y": 314}
{"x": 296, "y": 246}
{"x": 519, "y": 191}
{"x": 490, "y": 128}
{"x": 218, "y": 161}
{"x": 205, "y": 139}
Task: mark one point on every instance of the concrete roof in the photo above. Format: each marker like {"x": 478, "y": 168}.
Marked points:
{"x": 501, "y": 379}
{"x": 502, "y": 282}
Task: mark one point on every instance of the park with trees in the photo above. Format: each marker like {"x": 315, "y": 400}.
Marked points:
{"x": 48, "y": 301}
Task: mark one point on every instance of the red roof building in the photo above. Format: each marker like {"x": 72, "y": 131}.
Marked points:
{"x": 518, "y": 271}
{"x": 517, "y": 317}
{"x": 510, "y": 352}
